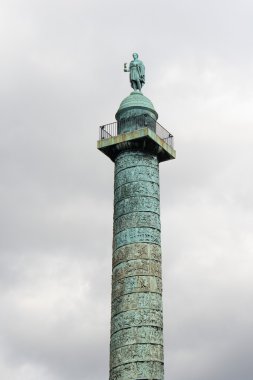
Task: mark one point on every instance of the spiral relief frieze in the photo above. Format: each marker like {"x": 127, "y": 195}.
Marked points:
{"x": 136, "y": 251}
{"x": 134, "y": 235}
{"x": 137, "y": 301}
{"x": 136, "y": 317}
{"x": 135, "y": 335}
{"x": 136, "y": 352}
{"x": 142, "y": 173}
{"x": 133, "y": 204}
{"x": 136, "y": 267}
{"x": 137, "y": 219}
{"x": 138, "y": 370}
{"x": 135, "y": 284}
{"x": 133, "y": 189}
{"x": 132, "y": 159}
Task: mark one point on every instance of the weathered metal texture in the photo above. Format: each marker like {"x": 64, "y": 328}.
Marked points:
{"x": 135, "y": 102}
{"x": 137, "y": 72}
{"x": 132, "y": 107}
{"x": 143, "y": 139}
{"x": 136, "y": 348}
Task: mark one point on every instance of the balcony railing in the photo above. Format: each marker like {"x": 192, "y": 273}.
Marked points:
{"x": 133, "y": 123}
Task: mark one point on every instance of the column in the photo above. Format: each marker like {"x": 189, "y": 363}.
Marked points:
{"x": 136, "y": 348}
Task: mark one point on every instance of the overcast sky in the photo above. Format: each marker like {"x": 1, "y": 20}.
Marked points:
{"x": 61, "y": 75}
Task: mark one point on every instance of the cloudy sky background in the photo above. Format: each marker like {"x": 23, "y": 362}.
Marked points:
{"x": 61, "y": 75}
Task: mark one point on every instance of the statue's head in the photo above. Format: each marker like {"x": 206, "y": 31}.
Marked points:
{"x": 135, "y": 56}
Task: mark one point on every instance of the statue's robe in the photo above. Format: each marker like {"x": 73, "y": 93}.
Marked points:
{"x": 137, "y": 71}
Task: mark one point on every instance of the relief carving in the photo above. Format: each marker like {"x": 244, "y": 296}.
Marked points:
{"x": 135, "y": 301}
{"x": 137, "y": 219}
{"x": 137, "y": 318}
{"x": 137, "y": 251}
{"x": 136, "y": 323}
{"x": 136, "y": 188}
{"x": 138, "y": 370}
{"x": 136, "y": 204}
{"x": 136, "y": 235}
{"x": 143, "y": 334}
{"x": 136, "y": 267}
{"x": 136, "y": 352}
{"x": 130, "y": 159}
{"x": 136, "y": 284}
{"x": 141, "y": 173}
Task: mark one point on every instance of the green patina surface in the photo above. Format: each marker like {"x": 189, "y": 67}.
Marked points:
{"x": 136, "y": 350}
{"x": 111, "y": 146}
{"x": 136, "y": 344}
{"x": 137, "y": 72}
{"x": 135, "y": 100}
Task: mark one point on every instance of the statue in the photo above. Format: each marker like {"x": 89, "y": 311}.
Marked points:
{"x": 137, "y": 72}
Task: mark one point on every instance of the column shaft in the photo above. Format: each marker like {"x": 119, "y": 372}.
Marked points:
{"x": 136, "y": 348}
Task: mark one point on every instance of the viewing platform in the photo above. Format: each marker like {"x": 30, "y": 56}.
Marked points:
{"x": 136, "y": 131}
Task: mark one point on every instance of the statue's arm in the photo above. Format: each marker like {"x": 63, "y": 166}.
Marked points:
{"x": 125, "y": 68}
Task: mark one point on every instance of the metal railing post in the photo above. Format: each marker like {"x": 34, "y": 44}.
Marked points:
{"x": 111, "y": 129}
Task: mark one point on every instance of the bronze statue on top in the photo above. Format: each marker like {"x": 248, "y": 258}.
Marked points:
{"x": 137, "y": 72}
